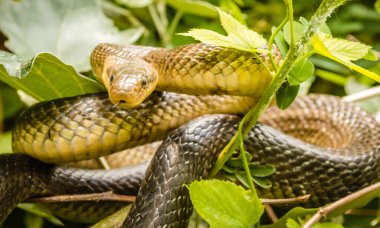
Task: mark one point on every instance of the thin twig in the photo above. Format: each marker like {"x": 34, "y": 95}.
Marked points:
{"x": 104, "y": 163}
{"x": 324, "y": 211}
{"x": 104, "y": 196}
{"x": 365, "y": 94}
{"x": 298, "y": 199}
{"x": 270, "y": 212}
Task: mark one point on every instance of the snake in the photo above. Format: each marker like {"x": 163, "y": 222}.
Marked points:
{"x": 320, "y": 145}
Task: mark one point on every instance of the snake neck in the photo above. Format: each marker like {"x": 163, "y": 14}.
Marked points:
{"x": 201, "y": 69}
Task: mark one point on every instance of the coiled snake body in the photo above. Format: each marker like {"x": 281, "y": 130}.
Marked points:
{"x": 320, "y": 146}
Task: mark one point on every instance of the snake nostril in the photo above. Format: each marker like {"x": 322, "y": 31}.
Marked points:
{"x": 122, "y": 102}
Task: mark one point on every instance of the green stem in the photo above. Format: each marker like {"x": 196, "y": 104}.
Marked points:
{"x": 331, "y": 77}
{"x": 324, "y": 11}
{"x": 246, "y": 167}
{"x": 291, "y": 20}
{"x": 271, "y": 41}
{"x": 174, "y": 23}
{"x": 262, "y": 63}
{"x": 161, "y": 29}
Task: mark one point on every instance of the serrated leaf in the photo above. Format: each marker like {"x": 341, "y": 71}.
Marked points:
{"x": 344, "y": 49}
{"x": 44, "y": 77}
{"x": 337, "y": 55}
{"x": 208, "y": 37}
{"x": 371, "y": 56}
{"x": 238, "y": 35}
{"x": 301, "y": 71}
{"x": 292, "y": 214}
{"x": 262, "y": 170}
{"x": 290, "y": 223}
{"x": 224, "y": 204}
{"x": 200, "y": 8}
{"x": 286, "y": 95}
{"x": 69, "y": 29}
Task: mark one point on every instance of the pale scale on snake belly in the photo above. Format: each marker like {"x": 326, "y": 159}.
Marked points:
{"x": 339, "y": 154}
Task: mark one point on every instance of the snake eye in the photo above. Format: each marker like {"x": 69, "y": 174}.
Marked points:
{"x": 144, "y": 82}
{"x": 111, "y": 78}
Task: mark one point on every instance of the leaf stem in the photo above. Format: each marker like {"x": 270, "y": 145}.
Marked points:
{"x": 174, "y": 23}
{"x": 291, "y": 20}
{"x": 271, "y": 41}
{"x": 161, "y": 28}
{"x": 246, "y": 167}
{"x": 262, "y": 63}
{"x": 324, "y": 11}
{"x": 338, "y": 205}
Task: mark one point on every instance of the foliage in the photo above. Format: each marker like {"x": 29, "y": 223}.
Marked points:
{"x": 239, "y": 208}
{"x": 51, "y": 42}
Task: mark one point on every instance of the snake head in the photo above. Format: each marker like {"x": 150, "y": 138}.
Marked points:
{"x": 129, "y": 80}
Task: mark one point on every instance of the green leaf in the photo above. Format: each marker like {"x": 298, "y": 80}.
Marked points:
{"x": 234, "y": 162}
{"x": 262, "y": 182}
{"x": 69, "y": 29}
{"x": 40, "y": 211}
{"x": 298, "y": 30}
{"x": 238, "y": 35}
{"x": 292, "y": 214}
{"x": 329, "y": 47}
{"x": 134, "y": 3}
{"x": 262, "y": 170}
{"x": 301, "y": 71}
{"x": 327, "y": 225}
{"x": 196, "y": 7}
{"x": 6, "y": 143}
{"x": 371, "y": 56}
{"x": 290, "y": 223}
{"x": 114, "y": 220}
{"x": 377, "y": 6}
{"x": 11, "y": 102}
{"x": 344, "y": 49}
{"x": 33, "y": 221}
{"x": 281, "y": 42}
{"x": 44, "y": 77}
{"x": 286, "y": 95}
{"x": 224, "y": 204}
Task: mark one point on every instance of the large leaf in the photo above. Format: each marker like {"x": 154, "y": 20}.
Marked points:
{"x": 343, "y": 52}
{"x": 238, "y": 35}
{"x": 44, "y": 77}
{"x": 69, "y": 29}
{"x": 224, "y": 204}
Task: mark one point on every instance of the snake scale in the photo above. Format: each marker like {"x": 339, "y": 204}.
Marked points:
{"x": 320, "y": 146}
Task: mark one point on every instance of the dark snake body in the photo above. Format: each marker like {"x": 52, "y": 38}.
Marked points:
{"x": 339, "y": 155}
